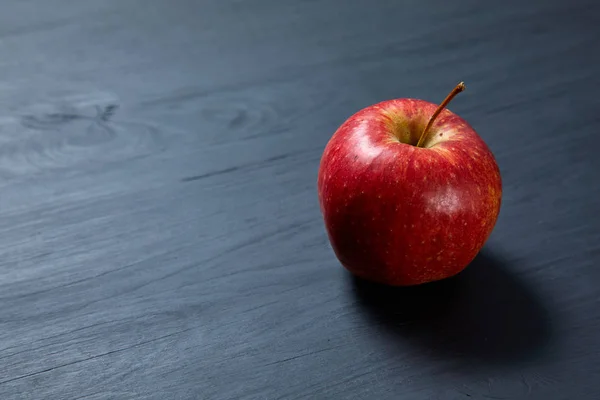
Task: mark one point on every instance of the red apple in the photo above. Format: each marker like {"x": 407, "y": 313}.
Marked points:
{"x": 409, "y": 192}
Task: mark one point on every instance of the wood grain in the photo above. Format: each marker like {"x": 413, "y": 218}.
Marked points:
{"x": 160, "y": 236}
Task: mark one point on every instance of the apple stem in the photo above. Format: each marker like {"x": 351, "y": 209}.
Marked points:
{"x": 459, "y": 88}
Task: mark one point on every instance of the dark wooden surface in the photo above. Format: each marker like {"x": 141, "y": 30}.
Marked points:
{"x": 160, "y": 236}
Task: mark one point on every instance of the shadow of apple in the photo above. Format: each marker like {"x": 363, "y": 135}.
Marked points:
{"x": 486, "y": 313}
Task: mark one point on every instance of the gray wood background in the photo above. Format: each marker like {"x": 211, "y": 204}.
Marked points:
{"x": 160, "y": 236}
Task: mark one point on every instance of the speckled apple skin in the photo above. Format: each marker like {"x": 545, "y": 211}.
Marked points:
{"x": 404, "y": 215}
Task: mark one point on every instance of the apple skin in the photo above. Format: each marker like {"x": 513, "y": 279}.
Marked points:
{"x": 403, "y": 215}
